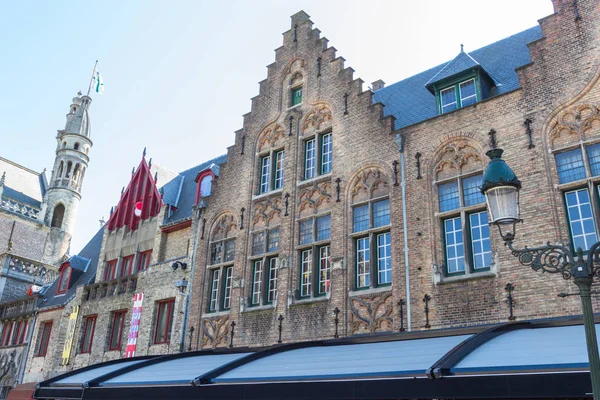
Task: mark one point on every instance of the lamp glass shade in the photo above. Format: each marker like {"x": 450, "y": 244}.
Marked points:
{"x": 503, "y": 204}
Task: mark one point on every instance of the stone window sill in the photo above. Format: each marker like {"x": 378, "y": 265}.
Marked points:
{"x": 359, "y": 292}
{"x": 318, "y": 178}
{"x": 440, "y": 279}
{"x": 267, "y": 194}
{"x": 309, "y": 300}
{"x": 258, "y": 308}
{"x": 215, "y": 314}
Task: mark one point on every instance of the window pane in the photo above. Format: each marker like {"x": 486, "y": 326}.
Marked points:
{"x": 88, "y": 331}
{"x": 581, "y": 221}
{"x": 323, "y": 227}
{"x": 480, "y": 240}
{"x": 216, "y": 253}
{"x": 363, "y": 263}
{"x": 115, "y": 337}
{"x": 455, "y": 257}
{"x": 326, "y": 153}
{"x": 296, "y": 96}
{"x": 265, "y": 172}
{"x": 324, "y": 269}
{"x": 161, "y": 323}
{"x": 468, "y": 94}
{"x": 214, "y": 290}
{"x": 273, "y": 240}
{"x": 384, "y": 258}
{"x": 257, "y": 282}
{"x": 306, "y": 231}
{"x": 361, "y": 218}
{"x": 205, "y": 186}
{"x": 471, "y": 190}
{"x": 594, "y": 158}
{"x": 229, "y": 250}
{"x": 448, "y": 196}
{"x": 64, "y": 279}
{"x": 381, "y": 213}
{"x": 306, "y": 273}
{"x": 279, "y": 170}
{"x": 258, "y": 243}
{"x": 272, "y": 295}
{"x": 448, "y": 99}
{"x": 227, "y": 288}
{"x": 309, "y": 159}
{"x": 570, "y": 166}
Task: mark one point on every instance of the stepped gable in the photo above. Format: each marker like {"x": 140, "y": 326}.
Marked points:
{"x": 411, "y": 102}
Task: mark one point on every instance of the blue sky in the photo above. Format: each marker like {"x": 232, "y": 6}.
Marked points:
{"x": 180, "y": 74}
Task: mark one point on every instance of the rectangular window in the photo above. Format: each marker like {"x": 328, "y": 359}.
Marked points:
{"x": 7, "y": 331}
{"x": 111, "y": 269}
{"x": 363, "y": 263}
{"x": 278, "y": 170}
{"x": 360, "y": 218}
{"x": 296, "y": 96}
{"x": 306, "y": 273}
{"x": 265, "y": 173}
{"x": 324, "y": 269}
{"x": 164, "y": 321}
{"x": 448, "y": 196}
{"x": 214, "y": 289}
{"x": 258, "y": 243}
{"x": 227, "y": 289}
{"x": 273, "y": 240}
{"x": 593, "y": 152}
{"x": 455, "y": 253}
{"x": 23, "y": 333}
{"x": 272, "y": 294}
{"x": 381, "y": 213}
{"x": 116, "y": 331}
{"x": 323, "y": 227}
{"x": 570, "y": 166}
{"x": 326, "y": 153}
{"x": 480, "y": 240}
{"x": 306, "y": 230}
{"x": 448, "y": 99}
{"x": 43, "y": 338}
{"x": 126, "y": 265}
{"x": 257, "y": 279}
{"x": 468, "y": 93}
{"x": 17, "y": 332}
{"x": 384, "y": 259}
{"x": 472, "y": 190}
{"x": 89, "y": 326}
{"x": 229, "y": 250}
{"x": 216, "y": 253}
{"x": 581, "y": 220}
{"x": 144, "y": 260}
{"x": 309, "y": 159}
{"x": 65, "y": 277}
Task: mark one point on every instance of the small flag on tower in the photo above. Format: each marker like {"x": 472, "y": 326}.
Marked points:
{"x": 138, "y": 209}
{"x": 98, "y": 84}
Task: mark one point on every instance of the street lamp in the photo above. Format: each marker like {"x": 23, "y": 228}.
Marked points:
{"x": 501, "y": 189}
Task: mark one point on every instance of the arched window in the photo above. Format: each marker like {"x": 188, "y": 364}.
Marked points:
{"x": 69, "y": 166}
{"x": 64, "y": 145}
{"x": 57, "y": 216}
{"x": 76, "y": 146}
{"x": 220, "y": 268}
{"x": 205, "y": 186}
{"x": 76, "y": 172}
{"x": 60, "y": 170}
{"x": 65, "y": 278}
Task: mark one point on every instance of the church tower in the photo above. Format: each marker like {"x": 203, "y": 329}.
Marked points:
{"x": 59, "y": 209}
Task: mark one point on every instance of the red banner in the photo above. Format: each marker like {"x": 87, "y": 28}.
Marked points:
{"x": 134, "y": 326}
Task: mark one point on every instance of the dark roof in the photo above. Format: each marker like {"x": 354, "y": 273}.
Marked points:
{"x": 21, "y": 197}
{"x": 410, "y": 101}
{"x": 84, "y": 265}
{"x": 180, "y": 192}
{"x": 462, "y": 62}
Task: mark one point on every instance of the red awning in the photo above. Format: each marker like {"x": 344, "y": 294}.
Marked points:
{"x": 23, "y": 391}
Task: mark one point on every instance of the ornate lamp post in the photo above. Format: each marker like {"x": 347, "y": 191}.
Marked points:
{"x": 501, "y": 189}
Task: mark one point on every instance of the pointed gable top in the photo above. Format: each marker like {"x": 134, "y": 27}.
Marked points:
{"x": 461, "y": 63}
{"x": 142, "y": 188}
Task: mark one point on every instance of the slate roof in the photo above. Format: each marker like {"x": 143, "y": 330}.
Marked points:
{"x": 84, "y": 267}
{"x": 181, "y": 191}
{"x": 22, "y": 184}
{"x": 410, "y": 101}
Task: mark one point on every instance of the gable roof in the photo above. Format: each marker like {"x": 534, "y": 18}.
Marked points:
{"x": 85, "y": 263}
{"x": 461, "y": 63}
{"x": 410, "y": 101}
{"x": 180, "y": 193}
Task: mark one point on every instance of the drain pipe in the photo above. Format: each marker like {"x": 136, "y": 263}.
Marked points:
{"x": 399, "y": 139}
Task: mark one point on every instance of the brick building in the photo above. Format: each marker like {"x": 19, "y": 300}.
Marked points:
{"x": 346, "y": 211}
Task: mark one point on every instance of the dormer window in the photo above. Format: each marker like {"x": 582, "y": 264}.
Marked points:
{"x": 459, "y": 95}
{"x": 204, "y": 182}
{"x": 64, "y": 279}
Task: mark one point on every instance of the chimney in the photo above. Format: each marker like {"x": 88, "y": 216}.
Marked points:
{"x": 378, "y": 84}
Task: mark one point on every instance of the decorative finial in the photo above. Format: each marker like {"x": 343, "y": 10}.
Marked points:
{"x": 3, "y": 179}
{"x": 112, "y": 210}
{"x": 102, "y": 222}
{"x": 155, "y": 177}
{"x": 133, "y": 171}
{"x": 144, "y": 153}
{"x": 79, "y": 93}
{"x": 461, "y": 48}
{"x": 150, "y": 163}
{"x": 122, "y": 189}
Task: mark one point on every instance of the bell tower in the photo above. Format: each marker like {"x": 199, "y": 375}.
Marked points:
{"x": 59, "y": 208}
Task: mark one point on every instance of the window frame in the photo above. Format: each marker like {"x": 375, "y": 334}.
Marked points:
{"x": 293, "y": 91}
{"x": 169, "y": 304}
{"x": 270, "y": 184}
{"x": 143, "y": 257}
{"x": 125, "y": 267}
{"x": 269, "y": 267}
{"x": 318, "y": 155}
{"x": 110, "y": 269}
{"x": 43, "y": 338}
{"x": 314, "y": 247}
{"x": 113, "y": 318}
{"x": 458, "y": 100}
{"x": 61, "y": 280}
{"x": 224, "y": 268}
{"x": 84, "y": 337}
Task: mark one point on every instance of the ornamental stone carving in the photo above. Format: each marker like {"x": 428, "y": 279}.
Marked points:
{"x": 317, "y": 119}
{"x": 224, "y": 227}
{"x": 371, "y": 314}
{"x": 314, "y": 199}
{"x": 576, "y": 123}
{"x": 267, "y": 212}
{"x": 215, "y": 332}
{"x": 457, "y": 156}
{"x": 369, "y": 183}
{"x": 272, "y": 136}
{"x": 32, "y": 268}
